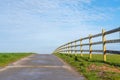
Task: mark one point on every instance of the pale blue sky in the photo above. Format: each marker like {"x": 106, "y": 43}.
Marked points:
{"x": 43, "y": 25}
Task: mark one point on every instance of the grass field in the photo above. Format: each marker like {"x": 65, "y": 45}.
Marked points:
{"x": 112, "y": 59}
{"x": 7, "y": 58}
{"x": 95, "y": 68}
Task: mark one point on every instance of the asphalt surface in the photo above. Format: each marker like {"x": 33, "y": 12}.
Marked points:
{"x": 39, "y": 67}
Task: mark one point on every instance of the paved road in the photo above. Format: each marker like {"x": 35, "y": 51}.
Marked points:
{"x": 39, "y": 67}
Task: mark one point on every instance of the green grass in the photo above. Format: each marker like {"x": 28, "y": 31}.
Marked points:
{"x": 7, "y": 58}
{"x": 83, "y": 65}
{"x": 112, "y": 59}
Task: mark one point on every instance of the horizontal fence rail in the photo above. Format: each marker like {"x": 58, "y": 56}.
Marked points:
{"x": 72, "y": 47}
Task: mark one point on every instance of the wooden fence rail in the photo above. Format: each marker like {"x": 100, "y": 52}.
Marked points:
{"x": 72, "y": 47}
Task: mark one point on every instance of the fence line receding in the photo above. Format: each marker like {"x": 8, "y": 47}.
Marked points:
{"x": 76, "y": 46}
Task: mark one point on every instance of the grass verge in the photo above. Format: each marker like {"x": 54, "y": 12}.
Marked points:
{"x": 7, "y": 58}
{"x": 95, "y": 68}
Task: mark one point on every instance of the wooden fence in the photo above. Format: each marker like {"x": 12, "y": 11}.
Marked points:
{"x": 72, "y": 47}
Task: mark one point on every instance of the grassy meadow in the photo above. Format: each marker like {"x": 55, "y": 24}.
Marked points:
{"x": 95, "y": 68}
{"x": 7, "y": 58}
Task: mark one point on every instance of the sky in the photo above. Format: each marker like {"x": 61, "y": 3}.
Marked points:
{"x": 43, "y": 25}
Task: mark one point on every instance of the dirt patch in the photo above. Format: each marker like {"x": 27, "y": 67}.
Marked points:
{"x": 103, "y": 68}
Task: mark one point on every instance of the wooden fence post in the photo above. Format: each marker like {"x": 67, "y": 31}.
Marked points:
{"x": 90, "y": 46}
{"x": 104, "y": 44}
{"x": 70, "y": 48}
{"x": 60, "y": 50}
{"x": 75, "y": 49}
{"x": 66, "y": 49}
{"x": 63, "y": 50}
{"x": 81, "y": 47}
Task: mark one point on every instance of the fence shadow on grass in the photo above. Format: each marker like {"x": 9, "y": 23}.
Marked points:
{"x": 99, "y": 61}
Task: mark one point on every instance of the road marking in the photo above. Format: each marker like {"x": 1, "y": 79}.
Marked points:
{"x": 27, "y": 66}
